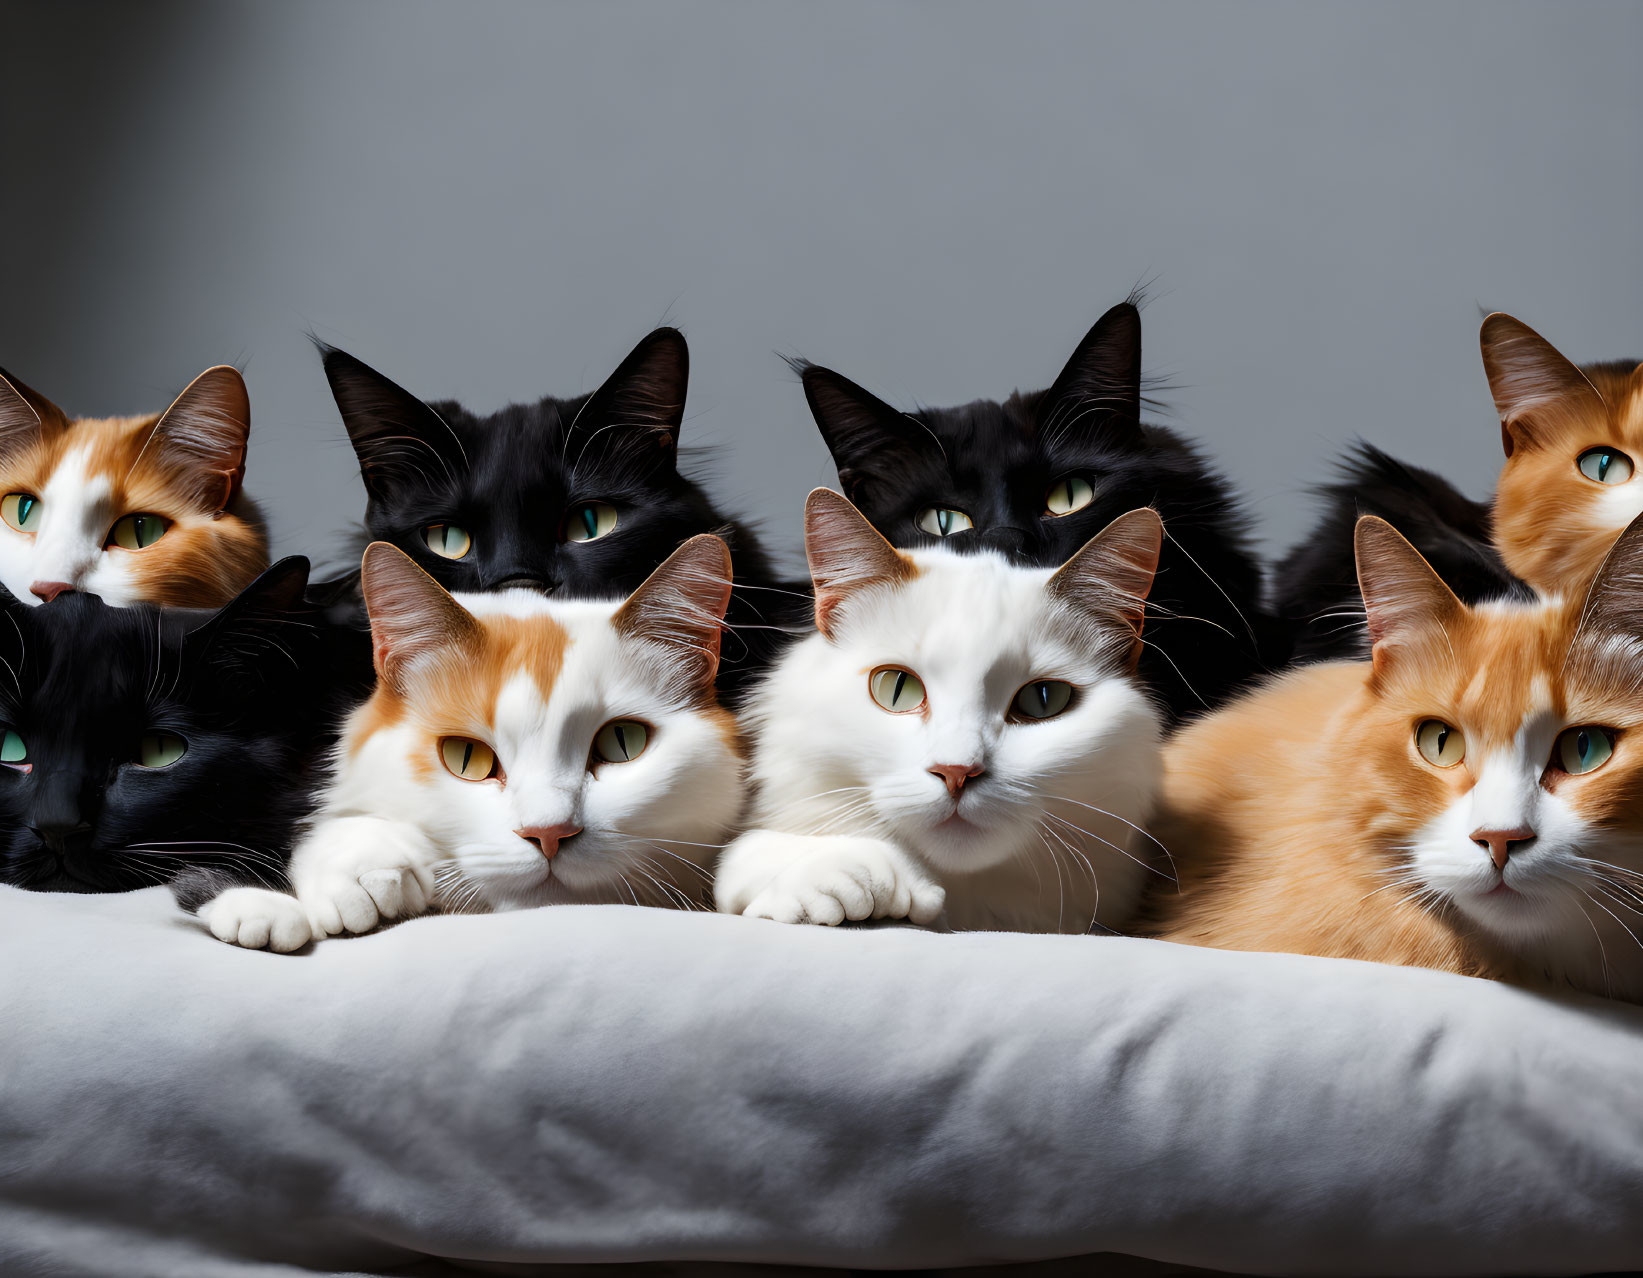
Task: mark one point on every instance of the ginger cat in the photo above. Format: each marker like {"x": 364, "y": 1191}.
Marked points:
{"x": 1470, "y": 799}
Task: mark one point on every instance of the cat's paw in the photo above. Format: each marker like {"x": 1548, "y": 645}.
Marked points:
{"x": 852, "y": 879}
{"x": 355, "y": 873}
{"x": 257, "y": 919}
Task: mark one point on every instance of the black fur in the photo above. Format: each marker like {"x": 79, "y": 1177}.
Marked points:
{"x": 1204, "y": 632}
{"x": 1315, "y": 586}
{"x": 511, "y": 480}
{"x": 255, "y": 690}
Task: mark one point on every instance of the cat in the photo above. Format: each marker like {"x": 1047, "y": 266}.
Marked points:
{"x": 130, "y": 509}
{"x": 518, "y": 751}
{"x": 962, "y": 740}
{"x": 1034, "y": 477}
{"x": 581, "y": 497}
{"x": 141, "y": 745}
{"x": 1465, "y": 800}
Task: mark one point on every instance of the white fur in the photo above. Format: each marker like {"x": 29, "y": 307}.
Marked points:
{"x": 850, "y": 823}
{"x": 76, "y": 513}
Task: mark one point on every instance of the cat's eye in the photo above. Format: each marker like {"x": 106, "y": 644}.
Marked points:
{"x": 1067, "y": 495}
{"x": 1583, "y": 749}
{"x": 160, "y": 749}
{"x": 896, "y": 690}
{"x": 1042, "y": 699}
{"x": 939, "y": 521}
{"x": 12, "y": 749}
{"x": 467, "y": 759}
{"x": 1441, "y": 744}
{"x": 137, "y": 532}
{"x": 620, "y": 740}
{"x": 1605, "y": 465}
{"x": 21, "y": 511}
{"x": 590, "y": 521}
{"x": 448, "y": 541}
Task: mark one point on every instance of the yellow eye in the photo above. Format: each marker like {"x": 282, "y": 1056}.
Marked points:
{"x": 12, "y": 749}
{"x": 137, "y": 532}
{"x": 1069, "y": 494}
{"x": 620, "y": 740}
{"x": 1440, "y": 744}
{"x": 590, "y": 522}
{"x": 21, "y": 511}
{"x": 160, "y": 749}
{"x": 896, "y": 690}
{"x": 1043, "y": 699}
{"x": 1605, "y": 465}
{"x": 1585, "y": 749}
{"x": 448, "y": 541}
{"x": 467, "y": 759}
{"x": 940, "y": 522}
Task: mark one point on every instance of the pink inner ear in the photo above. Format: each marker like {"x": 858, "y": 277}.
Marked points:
{"x": 1506, "y": 440}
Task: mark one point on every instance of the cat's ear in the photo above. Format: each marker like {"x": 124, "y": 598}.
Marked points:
{"x": 1108, "y": 579}
{"x": 396, "y": 436}
{"x": 1402, "y": 596}
{"x": 203, "y": 435}
{"x": 682, "y": 606}
{"x": 1539, "y": 393}
{"x": 1614, "y": 600}
{"x": 23, "y": 414}
{"x": 642, "y": 404}
{"x": 869, "y": 440}
{"x": 412, "y": 617}
{"x": 846, "y": 554}
{"x": 1099, "y": 390}
{"x": 257, "y": 630}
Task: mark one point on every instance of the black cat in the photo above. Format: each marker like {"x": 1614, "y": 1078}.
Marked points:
{"x": 1041, "y": 473}
{"x": 1315, "y": 586}
{"x": 144, "y": 745}
{"x": 576, "y": 496}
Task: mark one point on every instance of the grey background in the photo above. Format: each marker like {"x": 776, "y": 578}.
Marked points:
{"x": 494, "y": 201}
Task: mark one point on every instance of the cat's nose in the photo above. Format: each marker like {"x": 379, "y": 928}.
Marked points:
{"x": 525, "y": 583}
{"x": 64, "y": 837}
{"x": 49, "y": 590}
{"x": 955, "y": 774}
{"x": 1500, "y": 844}
{"x": 548, "y": 837}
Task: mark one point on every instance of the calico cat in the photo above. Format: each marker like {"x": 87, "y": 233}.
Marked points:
{"x": 130, "y": 509}
{"x": 1468, "y": 799}
{"x": 578, "y": 497}
{"x": 518, "y": 751}
{"x": 1034, "y": 477}
{"x": 962, "y": 740}
{"x": 141, "y": 745}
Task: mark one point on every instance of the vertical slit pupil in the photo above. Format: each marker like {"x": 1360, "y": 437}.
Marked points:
{"x": 622, "y": 740}
{"x": 590, "y": 521}
{"x": 901, "y": 682}
{"x": 467, "y": 754}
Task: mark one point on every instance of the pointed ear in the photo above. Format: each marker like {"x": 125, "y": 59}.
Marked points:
{"x": 396, "y": 437}
{"x": 1538, "y": 392}
{"x": 1108, "y": 579}
{"x": 846, "y": 554}
{"x": 268, "y": 617}
{"x": 203, "y": 436}
{"x": 1614, "y": 600}
{"x": 682, "y": 606}
{"x": 643, "y": 402}
{"x": 412, "y": 618}
{"x": 1100, "y": 388}
{"x": 1402, "y": 595}
{"x": 23, "y": 414}
{"x": 870, "y": 441}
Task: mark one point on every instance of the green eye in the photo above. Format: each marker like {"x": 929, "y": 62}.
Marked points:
{"x": 161, "y": 749}
{"x": 1043, "y": 699}
{"x": 137, "y": 532}
{"x": 941, "y": 522}
{"x": 12, "y": 749}
{"x": 896, "y": 690}
{"x": 448, "y": 541}
{"x": 21, "y": 511}
{"x": 467, "y": 759}
{"x": 1069, "y": 494}
{"x": 1586, "y": 749}
{"x": 1605, "y": 465}
{"x": 1440, "y": 744}
{"x": 620, "y": 740}
{"x": 590, "y": 522}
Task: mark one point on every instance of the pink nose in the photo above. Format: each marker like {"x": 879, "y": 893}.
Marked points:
{"x": 548, "y": 837}
{"x": 955, "y": 774}
{"x": 49, "y": 590}
{"x": 1500, "y": 844}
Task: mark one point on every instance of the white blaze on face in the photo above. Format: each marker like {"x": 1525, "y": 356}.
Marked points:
{"x": 69, "y": 547}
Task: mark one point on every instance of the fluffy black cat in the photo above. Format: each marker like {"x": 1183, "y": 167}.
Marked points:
{"x": 1041, "y": 473}
{"x": 577, "y": 496}
{"x": 1315, "y": 586}
{"x": 142, "y": 745}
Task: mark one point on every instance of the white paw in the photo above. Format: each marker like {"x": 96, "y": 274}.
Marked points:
{"x": 852, "y": 879}
{"x": 258, "y": 919}
{"x": 355, "y": 872}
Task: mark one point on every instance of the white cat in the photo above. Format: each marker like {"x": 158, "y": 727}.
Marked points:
{"x": 518, "y": 751}
{"x": 962, "y": 741}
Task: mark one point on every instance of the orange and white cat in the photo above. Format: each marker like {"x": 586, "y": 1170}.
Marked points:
{"x": 130, "y": 509}
{"x": 1470, "y": 799}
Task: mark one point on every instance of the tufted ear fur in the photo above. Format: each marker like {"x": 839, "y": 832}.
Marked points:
{"x": 1099, "y": 390}
{"x": 867, "y": 437}
{"x": 268, "y": 616}
{"x": 682, "y": 606}
{"x": 412, "y": 618}
{"x": 642, "y": 404}
{"x": 395, "y": 435}
{"x": 1538, "y": 392}
{"x": 23, "y": 414}
{"x": 1402, "y": 596}
{"x": 1108, "y": 579}
{"x": 203, "y": 436}
{"x": 846, "y": 554}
